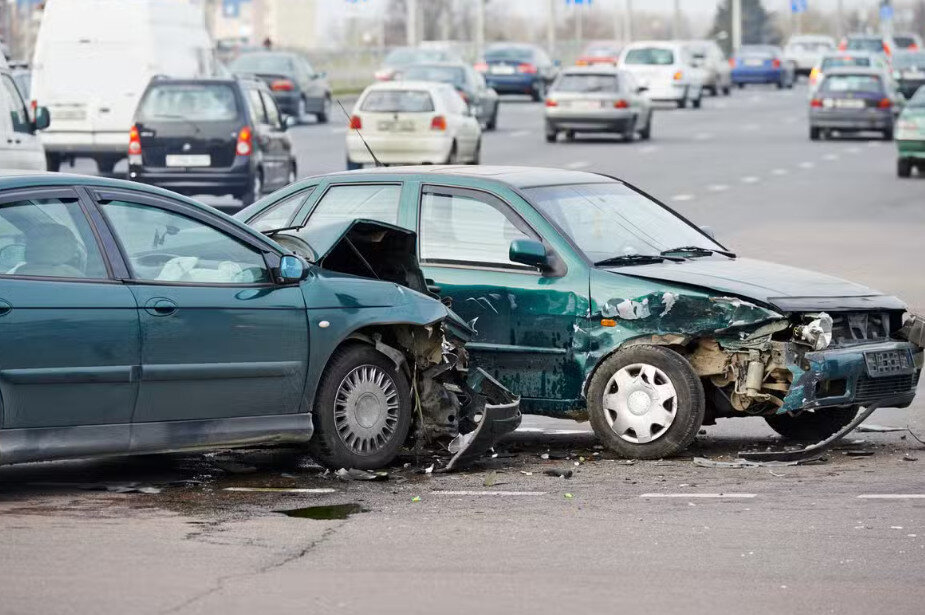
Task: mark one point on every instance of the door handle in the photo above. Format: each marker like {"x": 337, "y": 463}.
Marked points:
{"x": 5, "y": 308}
{"x": 160, "y": 306}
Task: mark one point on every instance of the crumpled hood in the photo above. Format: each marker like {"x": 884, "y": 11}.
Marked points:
{"x": 785, "y": 288}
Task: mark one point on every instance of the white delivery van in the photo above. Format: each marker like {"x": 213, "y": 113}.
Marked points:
{"x": 93, "y": 59}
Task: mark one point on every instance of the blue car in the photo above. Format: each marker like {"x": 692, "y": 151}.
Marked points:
{"x": 518, "y": 69}
{"x": 762, "y": 64}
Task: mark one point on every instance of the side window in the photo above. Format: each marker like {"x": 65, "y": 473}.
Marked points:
{"x": 374, "y": 202}
{"x": 469, "y": 229}
{"x": 256, "y": 105}
{"x": 308, "y": 69}
{"x": 280, "y": 215}
{"x": 272, "y": 110}
{"x": 48, "y": 238}
{"x": 163, "y": 246}
{"x": 19, "y": 116}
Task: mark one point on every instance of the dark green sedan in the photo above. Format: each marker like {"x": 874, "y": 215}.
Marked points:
{"x": 592, "y": 300}
{"x": 134, "y": 320}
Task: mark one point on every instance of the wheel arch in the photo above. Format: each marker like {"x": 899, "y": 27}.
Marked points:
{"x": 678, "y": 342}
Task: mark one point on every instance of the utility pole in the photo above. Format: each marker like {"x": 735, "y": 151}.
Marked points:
{"x": 628, "y": 21}
{"x": 411, "y": 23}
{"x": 840, "y": 20}
{"x": 579, "y": 14}
{"x": 676, "y": 21}
{"x": 736, "y": 25}
{"x": 479, "y": 28}
{"x": 551, "y": 28}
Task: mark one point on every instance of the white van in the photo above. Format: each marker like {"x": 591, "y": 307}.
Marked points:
{"x": 20, "y": 146}
{"x": 93, "y": 59}
{"x": 667, "y": 69}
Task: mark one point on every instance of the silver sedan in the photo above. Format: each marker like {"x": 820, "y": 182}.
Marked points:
{"x": 597, "y": 99}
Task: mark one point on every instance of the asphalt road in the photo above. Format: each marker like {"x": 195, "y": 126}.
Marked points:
{"x": 843, "y": 536}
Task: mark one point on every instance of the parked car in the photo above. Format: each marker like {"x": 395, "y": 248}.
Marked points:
{"x": 909, "y": 71}
{"x": 593, "y": 300}
{"x": 907, "y": 41}
{"x": 299, "y": 90}
{"x": 20, "y": 145}
{"x": 600, "y": 52}
{"x": 482, "y": 100}
{"x": 711, "y": 59}
{"x": 853, "y": 100}
{"x": 211, "y": 136}
{"x": 806, "y": 50}
{"x": 93, "y": 59}
{"x": 513, "y": 68}
{"x": 874, "y": 43}
{"x": 213, "y": 335}
{"x": 667, "y": 69}
{"x": 597, "y": 99}
{"x": 910, "y": 136}
{"x": 401, "y": 57}
{"x": 762, "y": 64}
{"x": 412, "y": 122}
{"x": 846, "y": 59}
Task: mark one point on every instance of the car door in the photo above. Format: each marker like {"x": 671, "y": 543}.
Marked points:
{"x": 28, "y": 149}
{"x": 279, "y": 151}
{"x": 9, "y": 152}
{"x": 219, "y": 338}
{"x": 526, "y": 321}
{"x": 262, "y": 135}
{"x": 69, "y": 331}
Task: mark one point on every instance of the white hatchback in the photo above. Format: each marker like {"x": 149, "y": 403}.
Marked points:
{"x": 410, "y": 122}
{"x": 667, "y": 69}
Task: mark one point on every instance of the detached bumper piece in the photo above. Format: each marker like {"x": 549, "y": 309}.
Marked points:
{"x": 493, "y": 410}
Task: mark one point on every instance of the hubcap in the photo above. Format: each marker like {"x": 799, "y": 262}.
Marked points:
{"x": 366, "y": 409}
{"x": 640, "y": 403}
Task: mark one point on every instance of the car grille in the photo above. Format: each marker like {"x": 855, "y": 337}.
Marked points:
{"x": 860, "y": 327}
{"x": 872, "y": 389}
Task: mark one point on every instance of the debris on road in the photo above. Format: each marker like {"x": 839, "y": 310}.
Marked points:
{"x": 354, "y": 474}
{"x": 855, "y": 452}
{"x": 746, "y": 463}
{"x": 559, "y": 473}
{"x": 908, "y": 457}
{"x": 871, "y": 428}
{"x": 318, "y": 490}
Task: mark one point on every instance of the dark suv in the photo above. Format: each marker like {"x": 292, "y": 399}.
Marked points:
{"x": 211, "y": 136}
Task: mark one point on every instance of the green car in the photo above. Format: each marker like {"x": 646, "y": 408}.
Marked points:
{"x": 910, "y": 136}
{"x": 591, "y": 300}
{"x": 134, "y": 320}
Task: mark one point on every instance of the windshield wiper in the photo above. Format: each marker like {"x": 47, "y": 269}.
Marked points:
{"x": 636, "y": 259}
{"x": 696, "y": 250}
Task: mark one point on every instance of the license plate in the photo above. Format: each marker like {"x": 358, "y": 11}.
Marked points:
{"x": 188, "y": 160}
{"x": 755, "y": 62}
{"x": 889, "y": 363}
{"x": 585, "y": 105}
{"x": 393, "y": 126}
{"x": 843, "y": 103}
{"x": 502, "y": 69}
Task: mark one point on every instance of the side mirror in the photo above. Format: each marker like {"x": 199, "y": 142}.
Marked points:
{"x": 289, "y": 121}
{"x": 42, "y": 118}
{"x": 642, "y": 89}
{"x": 291, "y": 269}
{"x": 708, "y": 231}
{"x": 529, "y": 252}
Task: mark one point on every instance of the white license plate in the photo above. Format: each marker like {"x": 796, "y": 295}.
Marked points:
{"x": 585, "y": 105}
{"x": 390, "y": 126}
{"x": 502, "y": 69}
{"x": 755, "y": 62}
{"x": 843, "y": 103}
{"x": 188, "y": 160}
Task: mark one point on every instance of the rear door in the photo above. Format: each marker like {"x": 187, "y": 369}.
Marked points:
{"x": 279, "y": 148}
{"x": 264, "y": 138}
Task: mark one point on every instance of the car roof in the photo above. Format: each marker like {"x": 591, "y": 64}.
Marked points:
{"x": 854, "y": 70}
{"x": 851, "y": 53}
{"x": 407, "y": 85}
{"x": 439, "y": 64}
{"x": 514, "y": 176}
{"x": 595, "y": 69}
{"x": 657, "y": 44}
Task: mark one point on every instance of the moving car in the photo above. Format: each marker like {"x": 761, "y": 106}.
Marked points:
{"x": 401, "y": 57}
{"x": 20, "y": 145}
{"x": 482, "y": 100}
{"x": 908, "y": 42}
{"x": 806, "y": 50}
{"x": 667, "y": 69}
{"x": 852, "y": 100}
{"x": 710, "y": 58}
{"x": 600, "y": 52}
{"x": 211, "y": 136}
{"x": 594, "y": 301}
{"x": 597, "y": 99}
{"x": 299, "y": 90}
{"x": 874, "y": 43}
{"x": 511, "y": 68}
{"x": 843, "y": 59}
{"x": 909, "y": 71}
{"x": 212, "y": 334}
{"x": 762, "y": 64}
{"x": 93, "y": 59}
{"x": 910, "y": 136}
{"x": 412, "y": 122}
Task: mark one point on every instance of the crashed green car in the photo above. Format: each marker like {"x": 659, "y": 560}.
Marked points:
{"x": 591, "y": 300}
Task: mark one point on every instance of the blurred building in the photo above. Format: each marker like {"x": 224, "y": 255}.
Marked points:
{"x": 291, "y": 24}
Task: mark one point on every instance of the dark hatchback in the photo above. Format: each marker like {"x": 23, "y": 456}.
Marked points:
{"x": 518, "y": 69}
{"x": 482, "y": 100}
{"x": 909, "y": 71}
{"x": 297, "y": 87}
{"x": 853, "y": 100}
{"x": 211, "y": 136}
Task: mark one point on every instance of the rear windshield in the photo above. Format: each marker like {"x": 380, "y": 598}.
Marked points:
{"x": 649, "y": 55}
{"x": 190, "y": 102}
{"x": 509, "y": 54}
{"x": 830, "y": 63}
{"x": 601, "y": 51}
{"x": 409, "y": 55}
{"x": 909, "y": 60}
{"x": 443, "y": 74}
{"x": 757, "y": 52}
{"x": 904, "y": 41}
{"x": 811, "y": 46}
{"x": 866, "y": 44}
{"x": 587, "y": 84}
{"x": 834, "y": 84}
{"x": 263, "y": 63}
{"x": 398, "y": 101}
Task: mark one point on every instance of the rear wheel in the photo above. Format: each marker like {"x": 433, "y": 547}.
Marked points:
{"x": 255, "y": 189}
{"x": 492, "y": 122}
{"x": 741, "y": 86}
{"x": 682, "y": 103}
{"x": 811, "y": 426}
{"x": 551, "y": 136}
{"x": 727, "y": 90}
{"x": 814, "y": 133}
{"x": 697, "y": 101}
{"x": 904, "y": 167}
{"x": 453, "y": 156}
{"x": 629, "y": 132}
{"x": 539, "y": 91}
{"x": 888, "y": 134}
{"x": 52, "y": 161}
{"x": 325, "y": 114}
{"x": 646, "y": 133}
{"x": 105, "y": 164}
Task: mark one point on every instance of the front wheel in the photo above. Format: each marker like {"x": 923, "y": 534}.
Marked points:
{"x": 646, "y": 402}
{"x": 811, "y": 426}
{"x": 697, "y": 102}
{"x": 362, "y": 411}
{"x": 324, "y": 115}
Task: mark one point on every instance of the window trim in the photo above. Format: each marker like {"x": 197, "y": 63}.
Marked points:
{"x": 327, "y": 188}
{"x": 307, "y": 191}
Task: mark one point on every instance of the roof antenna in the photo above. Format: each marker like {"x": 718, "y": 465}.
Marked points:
{"x": 359, "y": 134}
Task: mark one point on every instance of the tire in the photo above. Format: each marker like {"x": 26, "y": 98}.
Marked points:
{"x": 888, "y": 134}
{"x": 697, "y": 102}
{"x": 301, "y": 111}
{"x": 364, "y": 426}
{"x": 453, "y": 156}
{"x": 780, "y": 85}
{"x": 682, "y": 103}
{"x": 814, "y": 133}
{"x": 551, "y": 136}
{"x": 52, "y": 161}
{"x": 493, "y": 120}
{"x": 903, "y": 167}
{"x": 741, "y": 86}
{"x": 727, "y": 90}
{"x": 811, "y": 426}
{"x": 105, "y": 164}
{"x": 255, "y": 189}
{"x": 293, "y": 173}
{"x": 539, "y": 92}
{"x": 646, "y": 133}
{"x": 569, "y": 135}
{"x": 641, "y": 367}
{"x": 477, "y": 155}
{"x": 629, "y": 133}
{"x": 714, "y": 90}
{"x": 324, "y": 115}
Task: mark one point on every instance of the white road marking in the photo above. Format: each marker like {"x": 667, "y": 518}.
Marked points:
{"x": 682, "y": 197}
{"x": 649, "y": 149}
{"x": 339, "y": 130}
{"x": 892, "y": 496}
{"x": 779, "y": 172}
{"x": 807, "y": 165}
{"x": 718, "y": 188}
{"x": 751, "y": 127}
{"x": 853, "y": 150}
{"x": 520, "y": 133}
{"x": 791, "y": 120}
{"x": 278, "y": 490}
{"x": 699, "y": 495}
{"x": 703, "y": 136}
{"x": 751, "y": 179}
{"x": 874, "y": 143}
{"x": 830, "y": 157}
{"x": 497, "y": 493}
{"x": 578, "y": 164}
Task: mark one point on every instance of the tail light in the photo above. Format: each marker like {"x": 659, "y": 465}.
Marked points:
{"x": 581, "y": 62}
{"x": 282, "y": 85}
{"x": 551, "y": 102}
{"x": 885, "y": 103}
{"x": 438, "y": 123}
{"x": 816, "y": 103}
{"x": 384, "y": 74}
{"x": 813, "y": 75}
{"x": 527, "y": 68}
{"x": 482, "y": 67}
{"x": 843, "y": 45}
{"x": 775, "y": 63}
{"x": 355, "y": 122}
{"x": 913, "y": 47}
{"x": 732, "y": 62}
{"x": 621, "y": 104}
{"x": 245, "y": 142}
{"x": 134, "y": 146}
{"x": 678, "y": 76}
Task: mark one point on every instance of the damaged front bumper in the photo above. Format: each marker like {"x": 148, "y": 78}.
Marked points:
{"x": 495, "y": 412}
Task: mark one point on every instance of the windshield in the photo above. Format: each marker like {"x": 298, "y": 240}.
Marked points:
{"x": 405, "y": 56}
{"x": 601, "y": 51}
{"x": 263, "y": 63}
{"x": 840, "y": 61}
{"x": 398, "y": 101}
{"x": 189, "y": 102}
{"x": 649, "y": 55}
{"x": 509, "y": 54}
{"x": 813, "y": 46}
{"x": 610, "y": 219}
{"x": 443, "y": 74}
{"x": 757, "y": 52}
{"x": 852, "y": 83}
{"x": 904, "y": 42}
{"x": 587, "y": 83}
{"x": 866, "y": 44}
{"x": 909, "y": 60}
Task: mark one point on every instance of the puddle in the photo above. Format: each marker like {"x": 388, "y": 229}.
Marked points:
{"x": 324, "y": 513}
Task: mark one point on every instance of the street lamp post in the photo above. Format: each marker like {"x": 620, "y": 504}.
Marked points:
{"x": 736, "y": 25}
